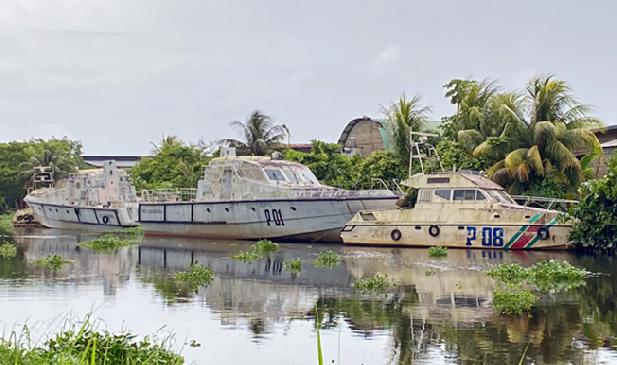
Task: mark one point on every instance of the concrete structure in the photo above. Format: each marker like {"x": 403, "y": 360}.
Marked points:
{"x": 362, "y": 136}
{"x": 123, "y": 162}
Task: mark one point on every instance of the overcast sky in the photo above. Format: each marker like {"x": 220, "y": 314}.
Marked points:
{"x": 117, "y": 74}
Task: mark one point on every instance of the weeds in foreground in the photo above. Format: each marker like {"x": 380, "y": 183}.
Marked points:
{"x": 515, "y": 283}
{"x": 438, "y": 251}
{"x": 377, "y": 283}
{"x": 197, "y": 276}
{"x": 83, "y": 344}
{"x": 52, "y": 262}
{"x": 293, "y": 266}
{"x": 327, "y": 259}
{"x": 257, "y": 251}
{"x": 109, "y": 242}
{"x": 8, "y": 250}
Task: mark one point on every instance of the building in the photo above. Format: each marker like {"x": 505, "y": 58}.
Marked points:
{"x": 123, "y": 162}
{"x": 362, "y": 136}
{"x": 608, "y": 141}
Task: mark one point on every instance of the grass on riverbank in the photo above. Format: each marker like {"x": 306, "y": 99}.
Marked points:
{"x": 257, "y": 251}
{"x": 8, "y": 250}
{"x": 83, "y": 344}
{"x": 327, "y": 259}
{"x": 52, "y": 262}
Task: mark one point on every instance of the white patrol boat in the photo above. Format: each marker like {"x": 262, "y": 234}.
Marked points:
{"x": 252, "y": 198}
{"x": 102, "y": 198}
{"x": 459, "y": 209}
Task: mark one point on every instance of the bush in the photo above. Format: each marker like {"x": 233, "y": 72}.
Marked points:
{"x": 597, "y": 212}
{"x": 438, "y": 251}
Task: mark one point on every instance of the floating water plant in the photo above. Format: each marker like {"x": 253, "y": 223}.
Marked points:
{"x": 257, "y": 251}
{"x": 109, "y": 242}
{"x": 515, "y": 283}
{"x": 373, "y": 284}
{"x": 197, "y": 276}
{"x": 293, "y": 266}
{"x": 512, "y": 299}
{"x": 438, "y": 251}
{"x": 8, "y": 250}
{"x": 83, "y": 344}
{"x": 327, "y": 259}
{"x": 52, "y": 262}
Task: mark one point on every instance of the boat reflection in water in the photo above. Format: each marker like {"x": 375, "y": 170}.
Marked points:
{"x": 438, "y": 312}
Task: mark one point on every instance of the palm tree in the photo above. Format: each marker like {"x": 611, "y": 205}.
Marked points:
{"x": 259, "y": 135}
{"x": 556, "y": 128}
{"x": 58, "y": 164}
{"x": 402, "y": 117}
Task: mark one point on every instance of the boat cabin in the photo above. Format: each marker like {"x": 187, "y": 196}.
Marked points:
{"x": 461, "y": 187}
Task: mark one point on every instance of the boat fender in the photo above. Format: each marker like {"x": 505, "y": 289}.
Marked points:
{"x": 433, "y": 231}
{"x": 543, "y": 233}
{"x": 396, "y": 235}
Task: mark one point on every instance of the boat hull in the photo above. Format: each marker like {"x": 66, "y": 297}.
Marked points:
{"x": 82, "y": 218}
{"x": 511, "y": 236}
{"x": 309, "y": 220}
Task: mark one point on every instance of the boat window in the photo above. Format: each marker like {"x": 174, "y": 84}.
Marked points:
{"x": 445, "y": 194}
{"x": 464, "y": 195}
{"x": 275, "y": 175}
{"x": 480, "y": 195}
{"x": 291, "y": 176}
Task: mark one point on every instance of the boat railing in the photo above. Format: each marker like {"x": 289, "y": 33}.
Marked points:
{"x": 544, "y": 202}
{"x": 168, "y": 195}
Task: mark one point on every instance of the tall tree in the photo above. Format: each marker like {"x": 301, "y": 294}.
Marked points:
{"x": 401, "y": 117}
{"x": 557, "y": 126}
{"x": 259, "y": 135}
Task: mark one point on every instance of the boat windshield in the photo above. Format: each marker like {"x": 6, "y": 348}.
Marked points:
{"x": 500, "y": 196}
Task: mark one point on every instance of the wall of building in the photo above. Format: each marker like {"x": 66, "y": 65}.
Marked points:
{"x": 362, "y": 137}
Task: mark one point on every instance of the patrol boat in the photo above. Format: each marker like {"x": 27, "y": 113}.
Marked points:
{"x": 459, "y": 209}
{"x": 91, "y": 199}
{"x": 250, "y": 198}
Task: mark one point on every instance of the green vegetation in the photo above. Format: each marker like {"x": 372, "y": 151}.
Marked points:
{"x": 174, "y": 165}
{"x": 84, "y": 345}
{"x": 293, "y": 266}
{"x": 111, "y": 241}
{"x": 6, "y": 223}
{"x": 327, "y": 259}
{"x": 8, "y": 250}
{"x": 17, "y": 160}
{"x": 597, "y": 212}
{"x": 512, "y": 299}
{"x": 52, "y": 262}
{"x": 373, "y": 284}
{"x": 515, "y": 283}
{"x": 197, "y": 276}
{"x": 257, "y": 251}
{"x": 260, "y": 136}
{"x": 438, "y": 251}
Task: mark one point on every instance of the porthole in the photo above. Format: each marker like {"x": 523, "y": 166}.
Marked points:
{"x": 293, "y": 208}
{"x": 227, "y": 209}
{"x": 208, "y": 210}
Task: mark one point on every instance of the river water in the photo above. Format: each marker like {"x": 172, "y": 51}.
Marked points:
{"x": 439, "y": 312}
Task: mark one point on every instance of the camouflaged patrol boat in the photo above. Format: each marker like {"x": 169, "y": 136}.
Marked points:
{"x": 91, "y": 199}
{"x": 252, "y": 198}
{"x": 460, "y": 209}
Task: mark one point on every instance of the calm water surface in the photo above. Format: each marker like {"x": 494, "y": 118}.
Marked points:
{"x": 257, "y": 313}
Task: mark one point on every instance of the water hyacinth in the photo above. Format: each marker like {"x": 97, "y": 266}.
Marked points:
{"x": 257, "y": 251}
{"x": 8, "y": 250}
{"x": 438, "y": 251}
{"x": 52, "y": 262}
{"x": 327, "y": 259}
{"x": 110, "y": 242}
{"x": 377, "y": 283}
{"x": 293, "y": 266}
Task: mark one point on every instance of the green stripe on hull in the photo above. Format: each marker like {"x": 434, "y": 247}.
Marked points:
{"x": 537, "y": 238}
{"x": 523, "y": 229}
